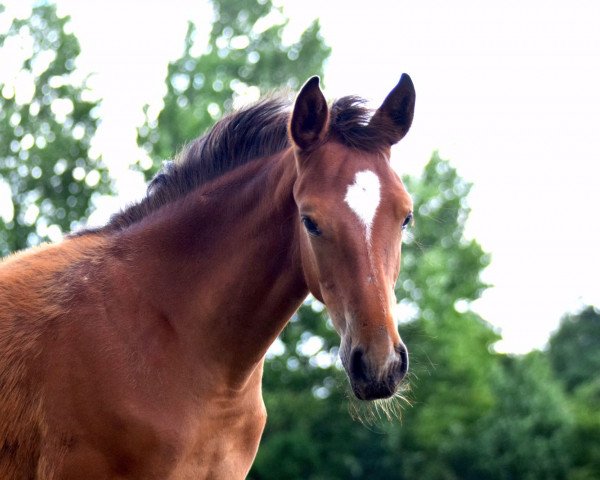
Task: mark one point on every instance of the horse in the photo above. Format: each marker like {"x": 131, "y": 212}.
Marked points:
{"x": 135, "y": 350}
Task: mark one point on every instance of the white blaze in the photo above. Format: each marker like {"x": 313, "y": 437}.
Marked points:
{"x": 363, "y": 197}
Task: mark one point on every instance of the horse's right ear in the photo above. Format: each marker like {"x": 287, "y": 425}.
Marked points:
{"x": 310, "y": 117}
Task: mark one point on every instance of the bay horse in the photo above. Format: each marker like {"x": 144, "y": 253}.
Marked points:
{"x": 135, "y": 350}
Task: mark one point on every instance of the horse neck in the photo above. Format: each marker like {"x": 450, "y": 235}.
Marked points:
{"x": 223, "y": 266}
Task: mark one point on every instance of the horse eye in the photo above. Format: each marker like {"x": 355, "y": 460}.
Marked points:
{"x": 407, "y": 221}
{"x": 311, "y": 227}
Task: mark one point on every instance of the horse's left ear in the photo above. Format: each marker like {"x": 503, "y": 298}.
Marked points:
{"x": 310, "y": 118}
{"x": 397, "y": 110}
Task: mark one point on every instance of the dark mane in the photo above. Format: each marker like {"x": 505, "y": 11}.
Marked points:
{"x": 241, "y": 137}
{"x": 349, "y": 125}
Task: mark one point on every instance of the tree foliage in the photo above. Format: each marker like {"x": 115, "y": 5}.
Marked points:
{"x": 574, "y": 349}
{"x": 585, "y": 448}
{"x": 574, "y": 352}
{"x": 526, "y": 433}
{"x": 46, "y": 123}
{"x": 452, "y": 359}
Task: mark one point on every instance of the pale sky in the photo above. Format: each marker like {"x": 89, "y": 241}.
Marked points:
{"x": 508, "y": 91}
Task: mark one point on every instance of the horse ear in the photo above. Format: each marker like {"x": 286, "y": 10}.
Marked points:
{"x": 397, "y": 110}
{"x": 310, "y": 117}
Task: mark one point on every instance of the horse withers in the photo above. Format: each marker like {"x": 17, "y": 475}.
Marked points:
{"x": 136, "y": 350}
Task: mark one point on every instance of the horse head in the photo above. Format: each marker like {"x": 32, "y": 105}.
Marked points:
{"x": 352, "y": 210}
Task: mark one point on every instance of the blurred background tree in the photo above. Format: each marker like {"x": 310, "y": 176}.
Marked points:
{"x": 244, "y": 58}
{"x": 453, "y": 364}
{"x": 575, "y": 348}
{"x": 528, "y": 432}
{"x": 48, "y": 175}
{"x": 574, "y": 353}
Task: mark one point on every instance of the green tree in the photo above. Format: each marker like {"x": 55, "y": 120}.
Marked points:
{"x": 528, "y": 433}
{"x": 585, "y": 405}
{"x": 453, "y": 363}
{"x": 574, "y": 352}
{"x": 46, "y": 123}
{"x": 245, "y": 54}
{"x": 574, "y": 349}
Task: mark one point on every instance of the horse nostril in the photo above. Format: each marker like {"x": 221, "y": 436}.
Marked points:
{"x": 401, "y": 350}
{"x": 358, "y": 368}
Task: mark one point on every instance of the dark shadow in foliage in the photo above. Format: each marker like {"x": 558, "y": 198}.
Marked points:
{"x": 574, "y": 349}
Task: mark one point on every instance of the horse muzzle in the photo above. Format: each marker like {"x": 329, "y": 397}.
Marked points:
{"x": 372, "y": 381}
